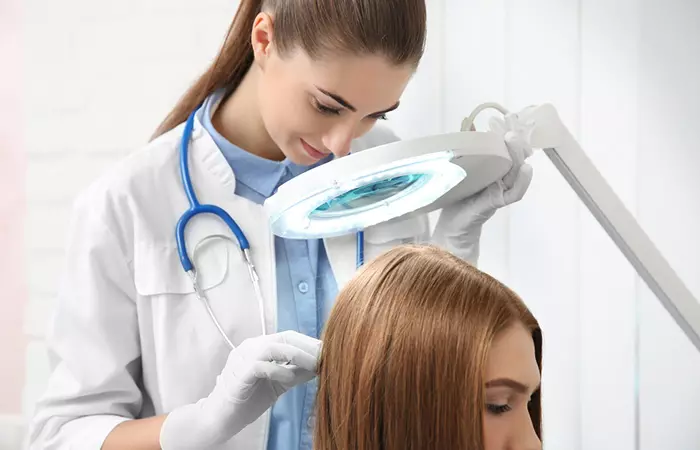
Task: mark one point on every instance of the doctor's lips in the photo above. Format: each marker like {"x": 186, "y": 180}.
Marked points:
{"x": 311, "y": 151}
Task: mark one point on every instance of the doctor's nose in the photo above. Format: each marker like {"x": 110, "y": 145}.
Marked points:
{"x": 338, "y": 141}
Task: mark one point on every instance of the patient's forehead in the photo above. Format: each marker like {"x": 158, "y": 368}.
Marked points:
{"x": 512, "y": 356}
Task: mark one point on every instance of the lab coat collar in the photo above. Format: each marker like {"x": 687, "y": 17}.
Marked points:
{"x": 208, "y": 155}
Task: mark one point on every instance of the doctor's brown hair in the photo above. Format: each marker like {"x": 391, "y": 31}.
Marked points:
{"x": 395, "y": 29}
{"x": 404, "y": 354}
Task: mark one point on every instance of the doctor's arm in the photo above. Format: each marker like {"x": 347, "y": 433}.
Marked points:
{"x": 93, "y": 344}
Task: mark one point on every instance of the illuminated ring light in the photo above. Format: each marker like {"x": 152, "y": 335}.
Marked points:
{"x": 350, "y": 194}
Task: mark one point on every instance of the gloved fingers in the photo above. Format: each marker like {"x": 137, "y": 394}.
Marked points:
{"x": 519, "y": 151}
{"x": 286, "y": 375}
{"x": 516, "y": 142}
{"x": 287, "y": 354}
{"x": 292, "y": 377}
{"x": 520, "y": 185}
{"x": 476, "y": 208}
{"x": 516, "y": 146}
{"x": 458, "y": 213}
{"x": 273, "y": 371}
{"x": 301, "y": 375}
{"x": 242, "y": 387}
{"x": 301, "y": 341}
{"x": 509, "y": 179}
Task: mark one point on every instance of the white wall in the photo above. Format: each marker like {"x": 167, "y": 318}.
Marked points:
{"x": 12, "y": 207}
{"x": 669, "y": 206}
{"x": 618, "y": 374}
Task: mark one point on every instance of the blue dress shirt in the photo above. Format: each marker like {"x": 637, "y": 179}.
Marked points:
{"x": 306, "y": 287}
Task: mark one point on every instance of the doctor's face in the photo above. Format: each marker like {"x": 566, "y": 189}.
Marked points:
{"x": 512, "y": 376}
{"x": 314, "y": 107}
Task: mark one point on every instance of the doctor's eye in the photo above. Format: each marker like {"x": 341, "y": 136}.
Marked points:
{"x": 497, "y": 410}
{"x": 323, "y": 109}
{"x": 379, "y": 117}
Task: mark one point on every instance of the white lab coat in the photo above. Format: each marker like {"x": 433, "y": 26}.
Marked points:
{"x": 128, "y": 338}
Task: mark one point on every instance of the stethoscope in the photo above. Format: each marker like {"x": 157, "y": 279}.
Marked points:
{"x": 243, "y": 244}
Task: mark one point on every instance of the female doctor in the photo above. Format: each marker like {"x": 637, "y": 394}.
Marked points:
{"x": 137, "y": 363}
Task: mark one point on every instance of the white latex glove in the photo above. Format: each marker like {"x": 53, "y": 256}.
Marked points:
{"x": 459, "y": 227}
{"x": 256, "y": 374}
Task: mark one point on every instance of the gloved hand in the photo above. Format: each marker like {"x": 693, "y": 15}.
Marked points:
{"x": 459, "y": 227}
{"x": 256, "y": 374}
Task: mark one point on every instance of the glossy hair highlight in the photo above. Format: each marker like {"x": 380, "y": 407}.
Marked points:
{"x": 405, "y": 350}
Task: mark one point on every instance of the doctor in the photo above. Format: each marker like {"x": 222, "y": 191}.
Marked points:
{"x": 137, "y": 362}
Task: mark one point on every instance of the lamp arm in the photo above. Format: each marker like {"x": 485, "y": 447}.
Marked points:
{"x": 549, "y": 133}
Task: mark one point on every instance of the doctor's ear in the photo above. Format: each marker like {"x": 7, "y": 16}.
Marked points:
{"x": 261, "y": 38}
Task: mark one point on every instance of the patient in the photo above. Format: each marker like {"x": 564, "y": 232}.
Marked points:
{"x": 424, "y": 351}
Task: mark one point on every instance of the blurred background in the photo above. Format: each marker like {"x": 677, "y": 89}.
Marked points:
{"x": 84, "y": 82}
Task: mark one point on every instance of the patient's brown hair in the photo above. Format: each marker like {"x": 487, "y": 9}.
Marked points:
{"x": 404, "y": 354}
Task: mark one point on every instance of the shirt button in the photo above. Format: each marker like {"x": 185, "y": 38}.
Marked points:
{"x": 303, "y": 287}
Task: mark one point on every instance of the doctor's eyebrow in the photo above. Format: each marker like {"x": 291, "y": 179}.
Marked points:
{"x": 347, "y": 104}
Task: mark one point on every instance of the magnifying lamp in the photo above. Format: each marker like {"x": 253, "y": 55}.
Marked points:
{"x": 422, "y": 175}
{"x": 402, "y": 178}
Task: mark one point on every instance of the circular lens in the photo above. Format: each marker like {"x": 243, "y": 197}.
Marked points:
{"x": 368, "y": 196}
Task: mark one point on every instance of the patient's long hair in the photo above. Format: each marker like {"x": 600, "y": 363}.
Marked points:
{"x": 404, "y": 354}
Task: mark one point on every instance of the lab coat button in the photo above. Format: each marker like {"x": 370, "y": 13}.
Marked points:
{"x": 303, "y": 287}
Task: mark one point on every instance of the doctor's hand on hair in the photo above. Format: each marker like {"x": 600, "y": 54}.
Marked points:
{"x": 256, "y": 374}
{"x": 459, "y": 227}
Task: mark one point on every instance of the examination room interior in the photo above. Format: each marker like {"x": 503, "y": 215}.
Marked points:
{"x": 83, "y": 83}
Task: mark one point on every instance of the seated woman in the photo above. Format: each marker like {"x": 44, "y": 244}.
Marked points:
{"x": 424, "y": 351}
